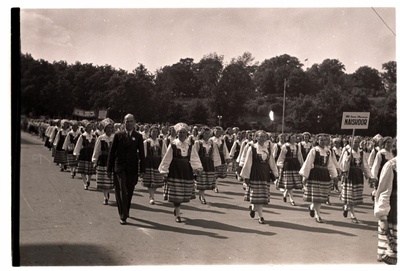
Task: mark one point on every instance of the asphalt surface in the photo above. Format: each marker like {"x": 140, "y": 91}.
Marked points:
{"x": 61, "y": 224}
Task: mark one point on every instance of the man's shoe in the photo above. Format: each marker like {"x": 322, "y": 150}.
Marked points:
{"x": 122, "y": 222}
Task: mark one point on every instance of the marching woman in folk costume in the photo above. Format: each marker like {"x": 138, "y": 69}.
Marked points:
{"x": 171, "y": 136}
{"x": 47, "y": 134}
{"x": 317, "y": 172}
{"x": 224, "y": 155}
{"x": 69, "y": 146}
{"x": 386, "y": 211}
{"x": 257, "y": 168}
{"x": 154, "y": 151}
{"x": 100, "y": 157}
{"x": 289, "y": 163}
{"x": 240, "y": 157}
{"x": 382, "y": 156}
{"x": 334, "y": 182}
{"x": 60, "y": 156}
{"x": 377, "y": 140}
{"x": 354, "y": 165}
{"x": 194, "y": 135}
{"x": 53, "y": 134}
{"x": 276, "y": 150}
{"x": 305, "y": 144}
{"x": 179, "y": 163}
{"x": 336, "y": 152}
{"x": 229, "y": 139}
{"x": 210, "y": 158}
{"x": 235, "y": 152}
{"x": 83, "y": 151}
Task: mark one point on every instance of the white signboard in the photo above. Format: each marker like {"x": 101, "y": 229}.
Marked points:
{"x": 355, "y": 120}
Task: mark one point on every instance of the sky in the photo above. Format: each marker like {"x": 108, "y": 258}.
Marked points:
{"x": 158, "y": 33}
{"x": 156, "y": 37}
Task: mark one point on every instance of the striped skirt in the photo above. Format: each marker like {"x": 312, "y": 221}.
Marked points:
{"x": 353, "y": 187}
{"x": 179, "y": 190}
{"x": 290, "y": 177}
{"x": 387, "y": 245}
{"x": 258, "y": 192}
{"x": 85, "y": 167}
{"x": 206, "y": 181}
{"x": 60, "y": 157}
{"x": 221, "y": 171}
{"x": 71, "y": 160}
{"x": 153, "y": 178}
{"x": 318, "y": 185}
{"x": 102, "y": 180}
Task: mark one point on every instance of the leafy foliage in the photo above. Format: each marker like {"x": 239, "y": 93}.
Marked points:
{"x": 243, "y": 92}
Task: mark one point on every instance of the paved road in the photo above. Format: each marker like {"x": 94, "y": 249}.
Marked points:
{"x": 61, "y": 224}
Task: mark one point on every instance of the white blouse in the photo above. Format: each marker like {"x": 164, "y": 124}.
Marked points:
{"x": 184, "y": 147}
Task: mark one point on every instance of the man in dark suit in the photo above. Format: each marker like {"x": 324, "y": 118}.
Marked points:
{"x": 125, "y": 153}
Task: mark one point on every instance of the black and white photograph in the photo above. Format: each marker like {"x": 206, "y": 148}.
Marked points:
{"x": 205, "y": 135}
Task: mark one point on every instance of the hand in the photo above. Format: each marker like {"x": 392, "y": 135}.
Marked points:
{"x": 383, "y": 224}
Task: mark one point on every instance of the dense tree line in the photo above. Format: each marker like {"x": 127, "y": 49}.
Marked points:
{"x": 242, "y": 91}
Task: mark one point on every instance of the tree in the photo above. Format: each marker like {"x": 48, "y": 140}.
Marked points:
{"x": 234, "y": 88}
{"x": 208, "y": 72}
{"x": 389, "y": 76}
{"x": 368, "y": 79}
{"x": 270, "y": 75}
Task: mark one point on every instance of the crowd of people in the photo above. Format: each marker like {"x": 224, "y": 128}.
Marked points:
{"x": 182, "y": 159}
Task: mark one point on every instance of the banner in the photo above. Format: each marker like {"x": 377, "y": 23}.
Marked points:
{"x": 355, "y": 120}
{"x": 84, "y": 113}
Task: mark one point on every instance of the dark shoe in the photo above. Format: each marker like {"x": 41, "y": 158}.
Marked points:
{"x": 88, "y": 184}
{"x": 203, "y": 200}
{"x": 122, "y": 222}
{"x": 345, "y": 212}
{"x": 328, "y": 202}
{"x": 284, "y": 199}
{"x": 319, "y": 220}
{"x": 293, "y": 203}
{"x": 105, "y": 202}
{"x": 354, "y": 220}
{"x": 174, "y": 212}
{"x": 85, "y": 187}
{"x": 261, "y": 220}
{"x": 62, "y": 169}
{"x": 178, "y": 219}
{"x": 151, "y": 201}
{"x": 193, "y": 197}
{"x": 252, "y": 212}
{"x": 312, "y": 211}
{"x": 216, "y": 190}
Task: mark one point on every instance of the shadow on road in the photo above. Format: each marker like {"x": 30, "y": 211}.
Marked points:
{"x": 162, "y": 227}
{"x": 215, "y": 225}
{"x": 28, "y": 142}
{"x": 62, "y": 254}
{"x": 317, "y": 228}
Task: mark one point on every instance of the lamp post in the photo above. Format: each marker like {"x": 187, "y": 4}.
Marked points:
{"x": 219, "y": 120}
{"x": 285, "y": 83}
